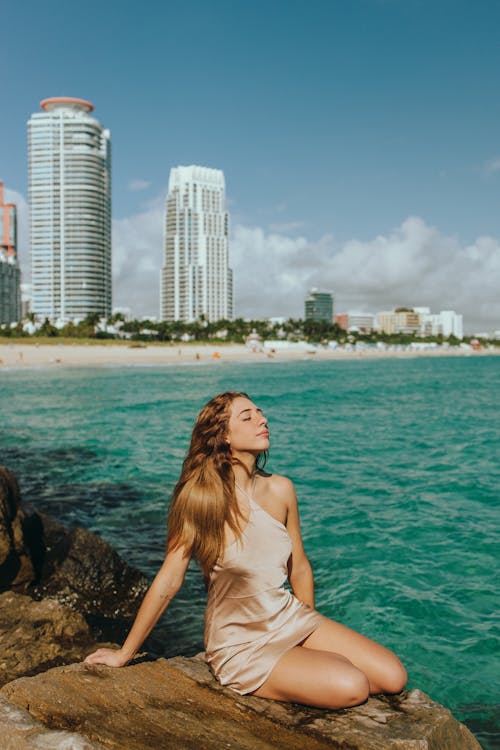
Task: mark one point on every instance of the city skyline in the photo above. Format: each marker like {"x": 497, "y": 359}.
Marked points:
{"x": 360, "y": 142}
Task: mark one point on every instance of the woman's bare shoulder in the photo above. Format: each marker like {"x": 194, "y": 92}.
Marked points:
{"x": 277, "y": 484}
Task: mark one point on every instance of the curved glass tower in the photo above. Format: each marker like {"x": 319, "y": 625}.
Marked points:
{"x": 69, "y": 158}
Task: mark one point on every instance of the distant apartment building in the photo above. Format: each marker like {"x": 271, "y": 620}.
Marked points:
{"x": 319, "y": 306}
{"x": 196, "y": 279}
{"x": 401, "y": 320}
{"x": 25, "y": 300}
{"x": 386, "y": 321}
{"x": 361, "y": 321}
{"x": 452, "y": 323}
{"x": 445, "y": 323}
{"x": 69, "y": 159}
{"x": 421, "y": 321}
{"x": 407, "y": 321}
{"x": 342, "y": 320}
{"x": 10, "y": 273}
{"x": 430, "y": 324}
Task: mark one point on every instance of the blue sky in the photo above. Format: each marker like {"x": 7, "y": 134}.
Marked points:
{"x": 337, "y": 124}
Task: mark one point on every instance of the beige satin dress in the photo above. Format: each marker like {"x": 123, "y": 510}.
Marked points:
{"x": 251, "y": 620}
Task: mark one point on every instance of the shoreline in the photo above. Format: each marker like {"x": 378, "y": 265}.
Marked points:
{"x": 20, "y": 355}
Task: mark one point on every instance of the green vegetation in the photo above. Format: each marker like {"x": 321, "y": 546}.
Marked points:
{"x": 223, "y": 331}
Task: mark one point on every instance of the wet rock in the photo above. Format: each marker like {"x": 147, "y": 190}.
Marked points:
{"x": 78, "y": 568}
{"x": 177, "y": 704}
{"x": 84, "y": 572}
{"x": 16, "y": 567}
{"x": 35, "y": 636}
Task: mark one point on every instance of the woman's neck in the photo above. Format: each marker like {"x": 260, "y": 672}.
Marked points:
{"x": 244, "y": 471}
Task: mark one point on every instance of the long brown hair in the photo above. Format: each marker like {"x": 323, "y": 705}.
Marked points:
{"x": 204, "y": 498}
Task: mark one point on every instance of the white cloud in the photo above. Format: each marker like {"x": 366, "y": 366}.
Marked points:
{"x": 137, "y": 260}
{"x": 414, "y": 264}
{"x": 290, "y": 226}
{"x": 492, "y": 166}
{"x": 138, "y": 184}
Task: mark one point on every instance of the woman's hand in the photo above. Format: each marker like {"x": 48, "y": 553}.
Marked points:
{"x": 161, "y": 592}
{"x": 109, "y": 656}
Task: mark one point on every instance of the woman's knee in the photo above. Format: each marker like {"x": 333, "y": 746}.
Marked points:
{"x": 349, "y": 689}
{"x": 395, "y": 677}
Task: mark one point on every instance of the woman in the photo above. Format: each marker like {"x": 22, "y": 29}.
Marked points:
{"x": 242, "y": 525}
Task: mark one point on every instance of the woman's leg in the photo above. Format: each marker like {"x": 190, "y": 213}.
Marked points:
{"x": 315, "y": 678}
{"x": 383, "y": 669}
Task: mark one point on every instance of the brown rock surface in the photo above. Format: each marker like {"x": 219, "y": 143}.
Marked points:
{"x": 177, "y": 704}
{"x": 82, "y": 570}
{"x": 16, "y": 568}
{"x": 35, "y": 636}
{"x": 78, "y": 568}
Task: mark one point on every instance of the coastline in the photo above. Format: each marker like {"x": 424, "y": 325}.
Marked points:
{"x": 23, "y": 354}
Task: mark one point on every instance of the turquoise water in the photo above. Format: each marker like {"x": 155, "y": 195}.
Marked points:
{"x": 396, "y": 466}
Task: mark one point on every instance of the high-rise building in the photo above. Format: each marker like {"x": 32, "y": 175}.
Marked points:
{"x": 196, "y": 279}
{"x": 319, "y": 306}
{"x": 69, "y": 157}
{"x": 10, "y": 274}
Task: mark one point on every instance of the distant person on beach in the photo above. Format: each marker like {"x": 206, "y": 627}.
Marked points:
{"x": 242, "y": 525}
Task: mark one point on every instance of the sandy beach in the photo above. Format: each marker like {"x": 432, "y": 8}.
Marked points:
{"x": 21, "y": 354}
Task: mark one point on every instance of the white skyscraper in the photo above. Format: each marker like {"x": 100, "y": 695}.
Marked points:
{"x": 196, "y": 279}
{"x": 69, "y": 157}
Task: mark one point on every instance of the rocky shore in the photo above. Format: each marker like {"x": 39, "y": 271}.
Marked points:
{"x": 65, "y": 591}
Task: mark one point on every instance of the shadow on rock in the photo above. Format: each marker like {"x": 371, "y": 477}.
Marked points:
{"x": 42, "y": 558}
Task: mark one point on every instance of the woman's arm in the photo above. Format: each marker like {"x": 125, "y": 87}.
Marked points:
{"x": 299, "y": 569}
{"x": 166, "y": 584}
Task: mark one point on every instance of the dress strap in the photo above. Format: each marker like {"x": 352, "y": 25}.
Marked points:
{"x": 250, "y": 496}
{"x": 257, "y": 506}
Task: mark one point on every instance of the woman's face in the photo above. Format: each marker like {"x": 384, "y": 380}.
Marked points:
{"x": 247, "y": 428}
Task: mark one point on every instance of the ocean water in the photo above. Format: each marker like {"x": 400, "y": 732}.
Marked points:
{"x": 396, "y": 465}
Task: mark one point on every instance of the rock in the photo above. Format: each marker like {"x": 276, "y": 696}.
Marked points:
{"x": 16, "y": 567}
{"x": 26, "y": 733}
{"x": 78, "y": 568}
{"x": 35, "y": 636}
{"x": 84, "y": 572}
{"x": 177, "y": 704}
{"x": 410, "y": 720}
